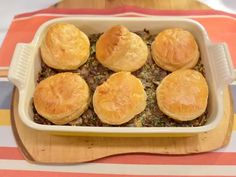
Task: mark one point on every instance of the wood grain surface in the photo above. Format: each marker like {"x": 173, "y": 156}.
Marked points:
{"x": 40, "y": 147}
{"x": 153, "y": 4}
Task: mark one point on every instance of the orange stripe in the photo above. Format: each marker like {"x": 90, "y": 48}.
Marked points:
{"x": 17, "y": 173}
{"x": 5, "y": 117}
{"x": 3, "y": 73}
{"x": 10, "y": 153}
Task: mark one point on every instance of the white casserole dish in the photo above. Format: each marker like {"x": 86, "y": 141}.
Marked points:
{"x": 25, "y": 66}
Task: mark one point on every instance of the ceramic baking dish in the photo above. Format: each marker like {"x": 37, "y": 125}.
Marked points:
{"x": 216, "y": 59}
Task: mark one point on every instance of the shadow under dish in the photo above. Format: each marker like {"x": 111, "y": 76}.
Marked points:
{"x": 150, "y": 75}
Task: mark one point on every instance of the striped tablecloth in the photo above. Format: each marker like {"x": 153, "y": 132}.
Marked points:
{"x": 220, "y": 26}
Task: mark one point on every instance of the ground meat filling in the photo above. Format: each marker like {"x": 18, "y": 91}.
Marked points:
{"x": 150, "y": 75}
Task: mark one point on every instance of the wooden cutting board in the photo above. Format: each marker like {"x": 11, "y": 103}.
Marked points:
{"x": 41, "y": 147}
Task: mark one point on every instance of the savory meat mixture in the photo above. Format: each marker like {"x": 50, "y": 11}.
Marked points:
{"x": 150, "y": 74}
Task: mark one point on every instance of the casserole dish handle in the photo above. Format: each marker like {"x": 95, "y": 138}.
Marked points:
{"x": 225, "y": 71}
{"x": 19, "y": 71}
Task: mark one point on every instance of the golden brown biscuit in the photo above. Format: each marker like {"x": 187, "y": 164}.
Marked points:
{"x": 183, "y": 95}
{"x": 65, "y": 47}
{"x": 121, "y": 50}
{"x": 175, "y": 49}
{"x": 119, "y": 99}
{"x": 61, "y": 98}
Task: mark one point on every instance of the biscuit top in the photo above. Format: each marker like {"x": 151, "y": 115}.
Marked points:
{"x": 175, "y": 49}
{"x": 183, "y": 94}
{"x": 121, "y": 50}
{"x": 60, "y": 96}
{"x": 65, "y": 47}
{"x": 119, "y": 99}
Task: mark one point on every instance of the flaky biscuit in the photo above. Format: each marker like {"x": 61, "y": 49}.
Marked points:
{"x": 121, "y": 50}
{"x": 119, "y": 99}
{"x": 174, "y": 49}
{"x": 65, "y": 47}
{"x": 183, "y": 95}
{"x": 61, "y": 98}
